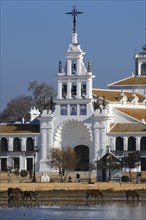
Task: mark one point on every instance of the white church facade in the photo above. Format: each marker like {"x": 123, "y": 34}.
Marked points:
{"x": 84, "y": 118}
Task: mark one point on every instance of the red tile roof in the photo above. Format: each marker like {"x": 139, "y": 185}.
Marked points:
{"x": 131, "y": 81}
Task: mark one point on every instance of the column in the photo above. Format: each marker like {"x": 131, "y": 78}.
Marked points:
{"x": 10, "y": 144}
{"x": 68, "y": 89}
{"x": 68, "y": 67}
{"x": 137, "y": 143}
{"x": 23, "y": 144}
{"x": 89, "y": 88}
{"x": 78, "y": 89}
{"x": 59, "y": 90}
{"x": 79, "y": 66}
{"x": 96, "y": 139}
{"x": 125, "y": 143}
{"x": 43, "y": 148}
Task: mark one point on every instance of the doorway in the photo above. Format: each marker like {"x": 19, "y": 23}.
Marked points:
{"x": 3, "y": 164}
{"x": 16, "y": 163}
{"x": 29, "y": 164}
{"x": 82, "y": 152}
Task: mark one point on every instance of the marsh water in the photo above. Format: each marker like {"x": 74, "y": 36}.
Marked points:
{"x": 100, "y": 211}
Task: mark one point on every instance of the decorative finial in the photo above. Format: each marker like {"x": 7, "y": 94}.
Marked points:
{"x": 60, "y": 67}
{"x": 74, "y": 13}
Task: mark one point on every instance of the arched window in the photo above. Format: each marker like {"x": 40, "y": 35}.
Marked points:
{"x": 143, "y": 69}
{"x": 131, "y": 144}
{"x": 16, "y": 144}
{"x": 4, "y": 144}
{"x": 143, "y": 144}
{"x": 119, "y": 144}
{"x": 29, "y": 144}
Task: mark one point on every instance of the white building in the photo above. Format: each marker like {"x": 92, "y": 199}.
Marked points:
{"x": 84, "y": 118}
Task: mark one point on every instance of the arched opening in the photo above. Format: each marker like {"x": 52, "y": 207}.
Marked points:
{"x": 82, "y": 152}
{"x": 16, "y": 144}
{"x": 29, "y": 144}
{"x": 143, "y": 144}
{"x": 131, "y": 144}
{"x": 4, "y": 145}
{"x": 143, "y": 69}
{"x": 119, "y": 144}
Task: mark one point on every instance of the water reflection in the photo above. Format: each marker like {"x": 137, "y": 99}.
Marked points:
{"x": 103, "y": 211}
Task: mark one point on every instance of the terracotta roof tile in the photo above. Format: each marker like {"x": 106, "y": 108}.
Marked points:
{"x": 134, "y": 112}
{"x": 113, "y": 95}
{"x": 131, "y": 81}
{"x": 19, "y": 128}
{"x": 128, "y": 127}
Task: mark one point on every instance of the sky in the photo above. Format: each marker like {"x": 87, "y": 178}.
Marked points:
{"x": 35, "y": 35}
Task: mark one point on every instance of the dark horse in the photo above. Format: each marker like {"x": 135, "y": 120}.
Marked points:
{"x": 94, "y": 192}
{"x": 132, "y": 193}
{"x": 30, "y": 195}
{"x": 14, "y": 194}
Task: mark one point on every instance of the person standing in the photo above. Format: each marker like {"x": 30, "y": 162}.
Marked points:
{"x": 77, "y": 177}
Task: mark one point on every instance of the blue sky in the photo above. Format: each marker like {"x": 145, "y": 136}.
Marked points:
{"x": 35, "y": 35}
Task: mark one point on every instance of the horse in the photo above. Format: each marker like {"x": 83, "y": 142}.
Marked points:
{"x": 94, "y": 192}
{"x": 14, "y": 195}
{"x": 16, "y": 191}
{"x": 132, "y": 193}
{"x": 30, "y": 195}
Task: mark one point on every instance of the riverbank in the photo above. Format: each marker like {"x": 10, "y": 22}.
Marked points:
{"x": 73, "y": 186}
{"x": 72, "y": 193}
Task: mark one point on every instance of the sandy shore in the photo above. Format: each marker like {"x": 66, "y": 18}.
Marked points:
{"x": 73, "y": 186}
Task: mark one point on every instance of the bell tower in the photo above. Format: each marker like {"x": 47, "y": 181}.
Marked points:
{"x": 74, "y": 80}
{"x": 140, "y": 63}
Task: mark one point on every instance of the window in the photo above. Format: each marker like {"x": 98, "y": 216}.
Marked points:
{"x": 131, "y": 144}
{"x": 143, "y": 69}
{"x": 83, "y": 89}
{"x": 73, "y": 110}
{"x": 29, "y": 144}
{"x": 143, "y": 144}
{"x": 64, "y": 90}
{"x": 83, "y": 110}
{"x": 16, "y": 144}
{"x": 4, "y": 144}
{"x": 119, "y": 144}
{"x": 63, "y": 109}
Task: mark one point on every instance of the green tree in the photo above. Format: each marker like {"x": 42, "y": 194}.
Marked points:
{"x": 64, "y": 160}
{"x": 131, "y": 161}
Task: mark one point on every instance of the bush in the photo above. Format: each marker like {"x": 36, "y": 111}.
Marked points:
{"x": 125, "y": 179}
{"x": 23, "y": 173}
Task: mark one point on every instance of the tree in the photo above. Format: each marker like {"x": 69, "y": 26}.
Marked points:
{"x": 131, "y": 161}
{"x": 64, "y": 160}
{"x": 17, "y": 109}
{"x": 88, "y": 172}
{"x": 20, "y": 106}
{"x": 39, "y": 92}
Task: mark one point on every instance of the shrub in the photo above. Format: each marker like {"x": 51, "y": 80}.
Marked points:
{"x": 23, "y": 173}
{"x": 125, "y": 179}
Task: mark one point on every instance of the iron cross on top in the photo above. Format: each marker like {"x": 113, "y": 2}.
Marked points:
{"x": 74, "y": 13}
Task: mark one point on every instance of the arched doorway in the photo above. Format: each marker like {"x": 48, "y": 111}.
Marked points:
{"x": 82, "y": 152}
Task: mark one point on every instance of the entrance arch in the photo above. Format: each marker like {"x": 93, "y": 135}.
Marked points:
{"x": 82, "y": 152}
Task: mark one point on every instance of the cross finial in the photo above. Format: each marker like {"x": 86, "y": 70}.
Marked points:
{"x": 74, "y": 13}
